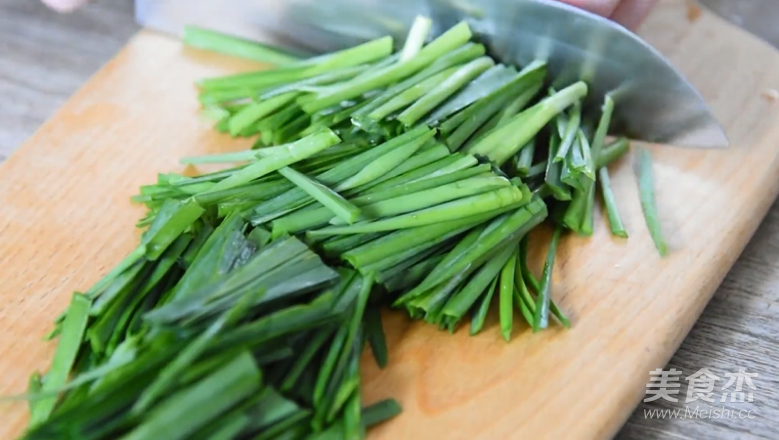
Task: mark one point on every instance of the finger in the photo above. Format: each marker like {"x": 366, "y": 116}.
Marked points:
{"x": 631, "y": 13}
{"x": 601, "y": 7}
{"x": 64, "y": 5}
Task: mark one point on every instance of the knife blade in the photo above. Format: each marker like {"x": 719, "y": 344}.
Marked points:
{"x": 654, "y": 102}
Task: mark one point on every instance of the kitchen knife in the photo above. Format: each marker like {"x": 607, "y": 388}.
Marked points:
{"x": 654, "y": 102}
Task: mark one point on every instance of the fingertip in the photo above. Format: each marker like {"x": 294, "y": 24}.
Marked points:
{"x": 632, "y": 13}
{"x": 603, "y": 8}
{"x": 64, "y": 5}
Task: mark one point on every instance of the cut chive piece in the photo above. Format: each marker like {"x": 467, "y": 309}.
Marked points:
{"x": 541, "y": 320}
{"x": 459, "y": 304}
{"x": 449, "y": 40}
{"x": 612, "y": 152}
{"x": 603, "y": 127}
{"x": 415, "y": 162}
{"x": 217, "y": 42}
{"x": 380, "y": 412}
{"x": 291, "y": 153}
{"x": 444, "y": 90}
{"x": 386, "y": 163}
{"x": 303, "y": 360}
{"x": 375, "y": 335}
{"x": 192, "y": 408}
{"x": 647, "y": 196}
{"x": 503, "y": 142}
{"x": 170, "y": 222}
{"x": 477, "y": 322}
{"x": 509, "y": 227}
{"x": 463, "y": 54}
{"x": 589, "y": 163}
{"x": 354, "y": 56}
{"x": 411, "y": 94}
{"x": 333, "y": 201}
{"x": 238, "y": 156}
{"x": 615, "y": 221}
{"x": 71, "y": 335}
{"x": 416, "y": 185}
{"x": 558, "y": 189}
{"x": 589, "y": 210}
{"x": 417, "y": 36}
{"x": 536, "y": 170}
{"x": 256, "y": 111}
{"x": 525, "y": 159}
{"x": 506, "y": 308}
{"x": 522, "y": 295}
{"x": 462, "y": 208}
{"x": 569, "y": 133}
{"x": 527, "y": 274}
{"x": 481, "y": 87}
{"x": 399, "y": 241}
{"x": 431, "y": 197}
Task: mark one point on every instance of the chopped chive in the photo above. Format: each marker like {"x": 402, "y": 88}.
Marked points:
{"x": 558, "y": 189}
{"x": 569, "y": 133}
{"x": 613, "y": 151}
{"x": 444, "y": 90}
{"x": 375, "y": 335}
{"x": 218, "y": 42}
{"x": 449, "y": 40}
{"x": 333, "y": 201}
{"x": 258, "y": 110}
{"x": 411, "y": 94}
{"x": 536, "y": 170}
{"x": 483, "y": 86}
{"x": 462, "y": 301}
{"x": 527, "y": 274}
{"x": 507, "y": 295}
{"x": 457, "y": 209}
{"x": 380, "y": 412}
{"x": 586, "y": 228}
{"x": 615, "y": 221}
{"x": 524, "y": 160}
{"x": 431, "y": 197}
{"x": 192, "y": 408}
{"x": 385, "y": 163}
{"x": 477, "y": 322}
{"x": 503, "y": 142}
{"x": 522, "y": 295}
{"x": 603, "y": 127}
{"x": 304, "y": 359}
{"x": 589, "y": 163}
{"x": 291, "y": 153}
{"x": 238, "y": 156}
{"x": 506, "y": 228}
{"x": 417, "y": 36}
{"x": 71, "y": 335}
{"x": 541, "y": 320}
{"x": 647, "y": 196}
{"x": 463, "y": 54}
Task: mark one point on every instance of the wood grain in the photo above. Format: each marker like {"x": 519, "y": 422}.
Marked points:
{"x": 66, "y": 219}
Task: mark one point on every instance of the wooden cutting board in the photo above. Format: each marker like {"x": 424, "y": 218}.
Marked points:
{"x": 66, "y": 218}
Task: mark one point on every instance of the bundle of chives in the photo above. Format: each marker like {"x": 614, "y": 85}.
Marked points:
{"x": 409, "y": 179}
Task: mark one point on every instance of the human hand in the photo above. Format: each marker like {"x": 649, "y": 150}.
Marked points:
{"x": 628, "y": 13}
{"x": 65, "y": 5}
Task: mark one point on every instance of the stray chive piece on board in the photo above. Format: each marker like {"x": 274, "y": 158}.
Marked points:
{"x": 647, "y": 196}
